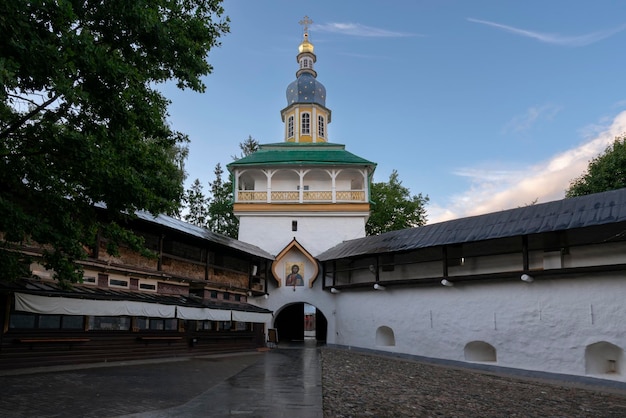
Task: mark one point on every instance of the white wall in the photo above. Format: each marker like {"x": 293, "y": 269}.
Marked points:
{"x": 545, "y": 325}
{"x": 315, "y": 233}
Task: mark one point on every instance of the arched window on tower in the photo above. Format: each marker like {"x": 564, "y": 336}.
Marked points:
{"x": 305, "y": 126}
{"x": 321, "y": 128}
{"x": 290, "y": 127}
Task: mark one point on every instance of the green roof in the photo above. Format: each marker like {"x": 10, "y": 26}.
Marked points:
{"x": 290, "y": 153}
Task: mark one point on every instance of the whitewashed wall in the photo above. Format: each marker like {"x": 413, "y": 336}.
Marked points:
{"x": 544, "y": 326}
{"x": 274, "y": 233}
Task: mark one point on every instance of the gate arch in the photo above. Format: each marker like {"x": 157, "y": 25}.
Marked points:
{"x": 296, "y": 322}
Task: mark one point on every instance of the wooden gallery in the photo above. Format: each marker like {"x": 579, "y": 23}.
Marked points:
{"x": 190, "y": 299}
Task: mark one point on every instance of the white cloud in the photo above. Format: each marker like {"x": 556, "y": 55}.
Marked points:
{"x": 532, "y": 116}
{"x": 356, "y": 29}
{"x": 495, "y": 190}
{"x": 552, "y": 38}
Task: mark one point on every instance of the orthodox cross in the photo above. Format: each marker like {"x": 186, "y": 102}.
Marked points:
{"x": 306, "y": 22}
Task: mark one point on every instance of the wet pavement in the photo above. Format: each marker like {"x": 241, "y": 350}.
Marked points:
{"x": 283, "y": 382}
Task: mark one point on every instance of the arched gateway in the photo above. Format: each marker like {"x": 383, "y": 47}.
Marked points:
{"x": 300, "y": 321}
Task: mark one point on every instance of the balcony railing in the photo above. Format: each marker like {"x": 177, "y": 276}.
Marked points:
{"x": 308, "y": 196}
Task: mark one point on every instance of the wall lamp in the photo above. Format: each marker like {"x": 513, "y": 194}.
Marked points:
{"x": 447, "y": 283}
{"x": 526, "y": 278}
{"x": 379, "y": 287}
{"x": 333, "y": 290}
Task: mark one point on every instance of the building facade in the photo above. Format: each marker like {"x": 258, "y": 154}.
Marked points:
{"x": 190, "y": 297}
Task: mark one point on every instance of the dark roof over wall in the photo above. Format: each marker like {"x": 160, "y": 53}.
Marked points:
{"x": 578, "y": 212}
{"x": 205, "y": 234}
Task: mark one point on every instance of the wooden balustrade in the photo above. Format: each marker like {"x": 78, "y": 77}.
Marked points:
{"x": 308, "y": 196}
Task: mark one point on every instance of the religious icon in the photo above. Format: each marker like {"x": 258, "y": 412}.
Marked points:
{"x": 294, "y": 278}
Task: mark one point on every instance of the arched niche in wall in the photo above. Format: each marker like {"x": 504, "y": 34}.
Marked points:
{"x": 385, "y": 337}
{"x": 603, "y": 358}
{"x": 480, "y": 351}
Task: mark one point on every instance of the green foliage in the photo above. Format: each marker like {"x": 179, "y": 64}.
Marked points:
{"x": 605, "y": 172}
{"x": 215, "y": 212}
{"x": 81, "y": 122}
{"x": 247, "y": 147}
{"x": 197, "y": 205}
{"x": 220, "y": 209}
{"x": 393, "y": 207}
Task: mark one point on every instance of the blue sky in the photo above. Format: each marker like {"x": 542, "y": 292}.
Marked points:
{"x": 481, "y": 105}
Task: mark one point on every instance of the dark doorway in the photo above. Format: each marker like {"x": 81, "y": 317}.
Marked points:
{"x": 290, "y": 323}
{"x": 301, "y": 321}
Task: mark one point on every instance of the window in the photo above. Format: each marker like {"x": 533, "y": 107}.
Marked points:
{"x": 22, "y": 320}
{"x": 109, "y": 323}
{"x": 294, "y": 225}
{"x": 89, "y": 280}
{"x": 141, "y": 323}
{"x": 305, "y": 127}
{"x": 306, "y": 63}
{"x": 242, "y": 326}
{"x": 72, "y": 322}
{"x": 320, "y": 126}
{"x": 118, "y": 283}
{"x": 204, "y": 326}
{"x": 147, "y": 285}
{"x": 290, "y": 127}
{"x": 157, "y": 324}
{"x": 50, "y": 321}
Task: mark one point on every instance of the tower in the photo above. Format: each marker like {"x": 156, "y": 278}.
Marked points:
{"x": 305, "y": 193}
{"x": 306, "y": 116}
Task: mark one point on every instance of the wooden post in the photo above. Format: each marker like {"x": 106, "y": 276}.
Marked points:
{"x": 445, "y": 261}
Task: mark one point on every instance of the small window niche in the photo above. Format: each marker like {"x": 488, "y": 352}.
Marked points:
{"x": 603, "y": 358}
{"x": 385, "y": 337}
{"x": 480, "y": 351}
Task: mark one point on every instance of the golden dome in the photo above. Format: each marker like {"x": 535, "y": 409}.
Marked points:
{"x": 306, "y": 46}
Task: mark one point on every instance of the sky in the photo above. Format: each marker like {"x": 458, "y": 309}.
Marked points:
{"x": 480, "y": 105}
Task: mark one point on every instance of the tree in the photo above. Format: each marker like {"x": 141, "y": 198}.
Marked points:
{"x": 605, "y": 172}
{"x": 394, "y": 208}
{"x": 217, "y": 209}
{"x": 220, "y": 210}
{"x": 247, "y": 147}
{"x": 197, "y": 205}
{"x": 82, "y": 123}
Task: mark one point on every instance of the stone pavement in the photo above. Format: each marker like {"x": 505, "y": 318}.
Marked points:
{"x": 358, "y": 384}
{"x": 284, "y": 382}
